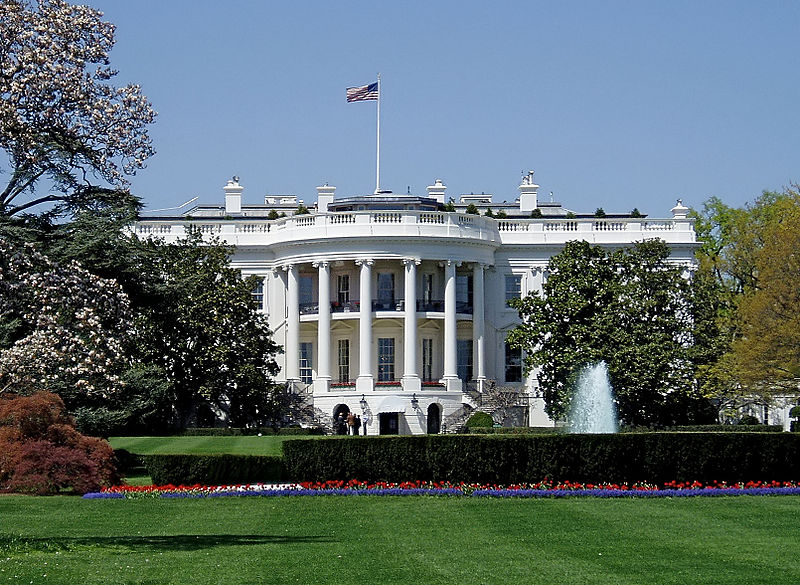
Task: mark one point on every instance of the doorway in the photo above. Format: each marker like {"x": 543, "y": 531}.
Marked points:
{"x": 388, "y": 423}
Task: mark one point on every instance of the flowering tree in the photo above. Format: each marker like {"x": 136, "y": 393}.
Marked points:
{"x": 61, "y": 120}
{"x": 61, "y": 328}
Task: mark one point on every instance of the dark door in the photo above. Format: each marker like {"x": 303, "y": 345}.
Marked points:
{"x": 388, "y": 423}
{"x": 434, "y": 419}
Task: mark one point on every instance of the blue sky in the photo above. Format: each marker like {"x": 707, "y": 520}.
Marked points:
{"x": 614, "y": 104}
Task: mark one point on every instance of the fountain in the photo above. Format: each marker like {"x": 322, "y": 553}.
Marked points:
{"x": 593, "y": 408}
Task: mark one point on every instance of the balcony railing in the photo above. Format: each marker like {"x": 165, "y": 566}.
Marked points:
{"x": 388, "y": 305}
{"x": 345, "y": 307}
{"x": 434, "y": 306}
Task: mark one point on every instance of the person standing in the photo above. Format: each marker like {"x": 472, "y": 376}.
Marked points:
{"x": 356, "y": 425}
{"x": 351, "y": 420}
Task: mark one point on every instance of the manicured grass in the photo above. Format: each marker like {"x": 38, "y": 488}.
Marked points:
{"x": 246, "y": 445}
{"x": 367, "y": 539}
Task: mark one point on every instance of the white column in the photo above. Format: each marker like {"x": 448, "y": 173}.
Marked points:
{"x": 478, "y": 325}
{"x": 322, "y": 383}
{"x": 265, "y": 297}
{"x": 411, "y": 380}
{"x": 364, "y": 382}
{"x": 292, "y": 324}
{"x": 450, "y": 330}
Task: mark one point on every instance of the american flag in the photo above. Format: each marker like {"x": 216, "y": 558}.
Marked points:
{"x": 362, "y": 93}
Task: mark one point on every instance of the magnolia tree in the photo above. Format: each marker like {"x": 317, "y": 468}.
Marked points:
{"x": 62, "y": 122}
{"x": 61, "y": 328}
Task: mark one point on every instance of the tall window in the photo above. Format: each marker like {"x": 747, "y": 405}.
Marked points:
{"x": 385, "y": 359}
{"x": 343, "y": 288}
{"x": 385, "y": 287}
{"x": 513, "y": 364}
{"x": 427, "y": 359}
{"x": 306, "y": 290}
{"x": 513, "y": 286}
{"x": 464, "y": 359}
{"x": 427, "y": 287}
{"x": 306, "y": 354}
{"x": 344, "y": 360}
{"x": 258, "y": 295}
{"x": 463, "y": 293}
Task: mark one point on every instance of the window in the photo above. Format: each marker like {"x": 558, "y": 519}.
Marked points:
{"x": 464, "y": 293}
{"x": 306, "y": 290}
{"x": 343, "y": 288}
{"x": 427, "y": 287}
{"x": 513, "y": 286}
{"x": 306, "y": 353}
{"x": 385, "y": 359}
{"x": 513, "y": 364}
{"x": 344, "y": 360}
{"x": 427, "y": 360}
{"x": 386, "y": 287}
{"x": 258, "y": 295}
{"x": 464, "y": 359}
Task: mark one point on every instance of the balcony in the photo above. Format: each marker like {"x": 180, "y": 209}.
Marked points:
{"x": 430, "y": 306}
{"x": 345, "y": 307}
{"x": 386, "y": 305}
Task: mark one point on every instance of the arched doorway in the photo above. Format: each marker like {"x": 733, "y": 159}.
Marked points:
{"x": 340, "y": 419}
{"x": 434, "y": 419}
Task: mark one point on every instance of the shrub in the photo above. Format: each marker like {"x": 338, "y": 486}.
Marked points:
{"x": 748, "y": 419}
{"x": 479, "y": 419}
{"x": 214, "y": 469}
{"x": 41, "y": 452}
{"x": 472, "y": 209}
{"x": 505, "y": 459}
{"x": 536, "y": 213}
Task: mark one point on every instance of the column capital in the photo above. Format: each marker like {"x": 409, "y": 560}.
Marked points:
{"x": 457, "y": 263}
{"x": 320, "y": 263}
{"x": 538, "y": 268}
{"x": 287, "y": 267}
{"x": 365, "y": 262}
{"x": 415, "y": 261}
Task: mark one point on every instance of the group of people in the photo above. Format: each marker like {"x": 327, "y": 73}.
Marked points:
{"x": 350, "y": 424}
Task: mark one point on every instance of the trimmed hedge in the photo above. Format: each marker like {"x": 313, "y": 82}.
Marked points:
{"x": 512, "y": 430}
{"x": 218, "y": 469}
{"x": 653, "y": 457}
{"x": 238, "y": 432}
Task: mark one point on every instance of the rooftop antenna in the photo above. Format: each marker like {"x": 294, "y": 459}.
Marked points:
{"x": 551, "y": 196}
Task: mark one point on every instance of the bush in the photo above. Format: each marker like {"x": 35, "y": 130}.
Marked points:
{"x": 504, "y": 459}
{"x": 41, "y": 452}
{"x": 479, "y": 419}
{"x": 214, "y": 469}
{"x": 748, "y": 419}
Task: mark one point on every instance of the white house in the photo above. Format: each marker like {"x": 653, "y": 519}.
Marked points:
{"x": 394, "y": 308}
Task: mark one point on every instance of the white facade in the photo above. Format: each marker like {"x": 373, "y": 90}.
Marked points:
{"x": 395, "y": 309}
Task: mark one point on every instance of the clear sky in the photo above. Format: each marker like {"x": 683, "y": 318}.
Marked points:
{"x": 614, "y": 104}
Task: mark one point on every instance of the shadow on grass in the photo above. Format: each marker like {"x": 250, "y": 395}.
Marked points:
{"x": 177, "y": 542}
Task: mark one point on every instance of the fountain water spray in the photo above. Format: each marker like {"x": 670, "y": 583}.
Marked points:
{"x": 593, "y": 408}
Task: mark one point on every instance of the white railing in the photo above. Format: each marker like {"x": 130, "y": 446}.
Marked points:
{"x": 424, "y": 223}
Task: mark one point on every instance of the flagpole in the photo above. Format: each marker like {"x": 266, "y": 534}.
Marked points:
{"x": 378, "y": 150}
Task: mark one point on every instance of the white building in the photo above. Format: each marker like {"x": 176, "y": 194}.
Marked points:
{"x": 394, "y": 308}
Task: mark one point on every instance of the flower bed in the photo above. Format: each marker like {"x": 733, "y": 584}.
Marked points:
{"x": 543, "y": 489}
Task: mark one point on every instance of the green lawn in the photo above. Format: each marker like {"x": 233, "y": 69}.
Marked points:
{"x": 246, "y": 445}
{"x": 424, "y": 540}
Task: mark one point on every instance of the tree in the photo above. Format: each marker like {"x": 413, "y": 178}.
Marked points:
{"x": 214, "y": 346}
{"x": 766, "y": 356}
{"x": 629, "y": 308}
{"x": 61, "y": 120}
{"x": 472, "y": 209}
{"x": 62, "y": 328}
{"x": 747, "y": 262}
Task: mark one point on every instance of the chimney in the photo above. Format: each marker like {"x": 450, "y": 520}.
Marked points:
{"x": 680, "y": 211}
{"x": 528, "y": 197}
{"x": 233, "y": 196}
{"x": 436, "y": 191}
{"x": 324, "y": 197}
